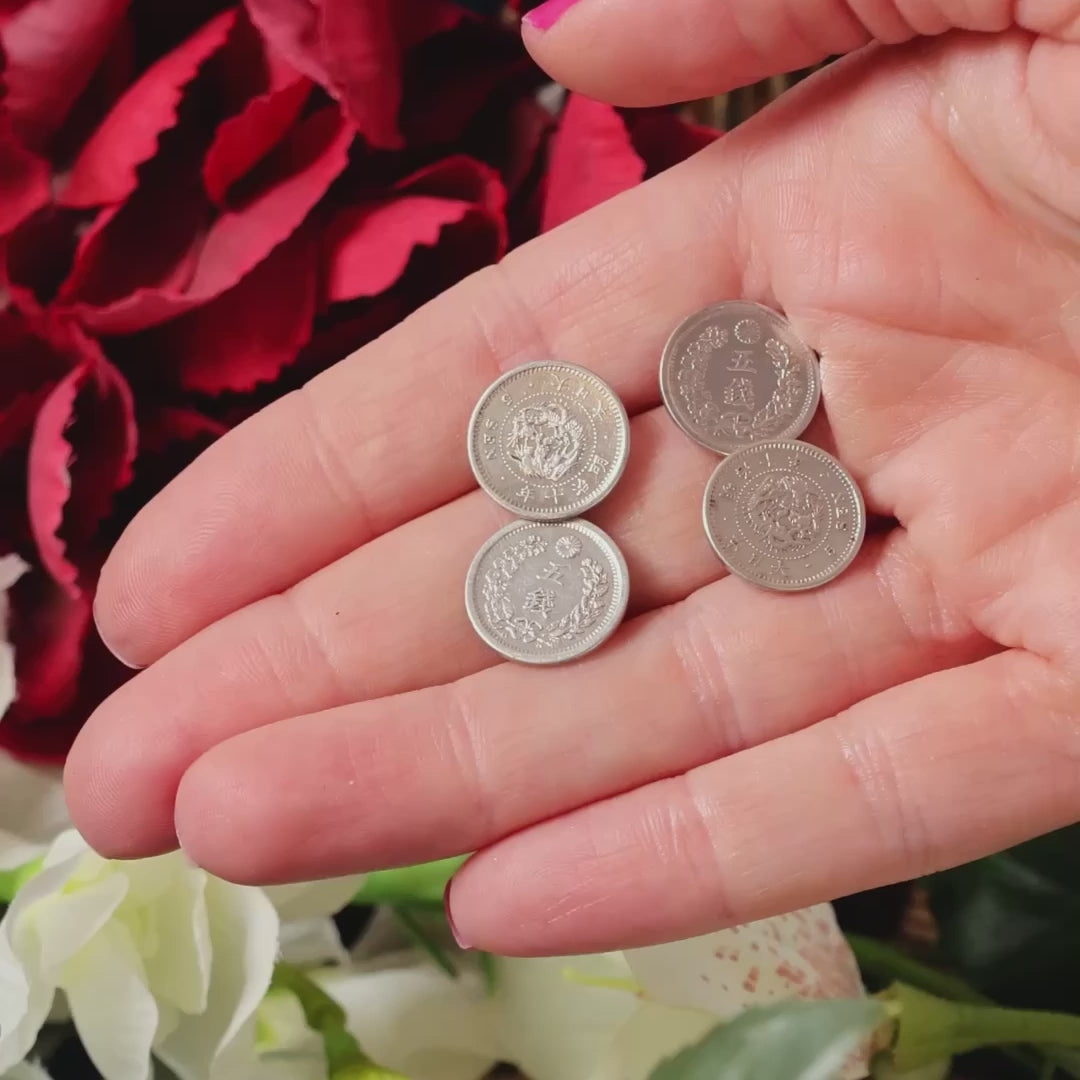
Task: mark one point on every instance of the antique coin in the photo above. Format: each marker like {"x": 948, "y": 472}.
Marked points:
{"x": 785, "y": 515}
{"x": 548, "y": 441}
{"x": 546, "y": 592}
{"x": 736, "y": 374}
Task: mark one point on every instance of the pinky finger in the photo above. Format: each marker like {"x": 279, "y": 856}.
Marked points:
{"x": 927, "y": 775}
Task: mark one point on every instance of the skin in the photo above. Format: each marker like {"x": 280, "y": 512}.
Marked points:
{"x": 316, "y": 703}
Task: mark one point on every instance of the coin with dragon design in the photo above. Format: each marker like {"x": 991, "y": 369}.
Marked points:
{"x": 547, "y": 592}
{"x": 785, "y": 515}
{"x": 549, "y": 440}
{"x": 736, "y": 374}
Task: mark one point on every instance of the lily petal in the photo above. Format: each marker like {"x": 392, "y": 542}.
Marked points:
{"x": 113, "y": 1009}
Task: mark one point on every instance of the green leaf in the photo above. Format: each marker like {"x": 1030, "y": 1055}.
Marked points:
{"x": 423, "y": 884}
{"x": 930, "y": 1028}
{"x": 796, "y": 1041}
{"x": 344, "y": 1058}
{"x": 11, "y": 881}
{"x": 1010, "y": 924}
{"x": 426, "y": 937}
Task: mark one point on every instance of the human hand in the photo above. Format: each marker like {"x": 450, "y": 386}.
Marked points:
{"x": 318, "y": 703}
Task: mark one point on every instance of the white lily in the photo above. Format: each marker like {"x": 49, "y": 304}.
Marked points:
{"x": 26, "y": 1070}
{"x": 615, "y": 1016}
{"x": 32, "y": 811}
{"x": 11, "y": 569}
{"x": 154, "y": 956}
{"x": 405, "y": 1013}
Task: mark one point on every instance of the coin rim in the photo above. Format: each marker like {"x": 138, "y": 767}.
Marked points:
{"x": 569, "y": 513}
{"x": 667, "y": 393}
{"x": 803, "y": 446}
{"x": 615, "y": 617}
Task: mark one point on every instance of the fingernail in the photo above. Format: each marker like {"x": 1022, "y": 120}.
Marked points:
{"x": 462, "y": 944}
{"x": 105, "y": 642}
{"x": 548, "y": 13}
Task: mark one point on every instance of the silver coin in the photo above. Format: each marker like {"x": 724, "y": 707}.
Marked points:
{"x": 785, "y": 515}
{"x": 546, "y": 593}
{"x": 736, "y": 374}
{"x": 548, "y": 441}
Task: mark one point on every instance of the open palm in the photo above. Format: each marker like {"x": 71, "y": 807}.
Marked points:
{"x": 317, "y": 703}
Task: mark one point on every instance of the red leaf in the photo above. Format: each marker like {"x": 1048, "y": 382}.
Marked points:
{"x": 370, "y": 244}
{"x": 24, "y": 179}
{"x": 105, "y": 171}
{"x": 81, "y": 454}
{"x": 293, "y": 178}
{"x": 168, "y": 426}
{"x": 248, "y": 334}
{"x": 592, "y": 159}
{"x": 52, "y": 48}
{"x": 244, "y": 139}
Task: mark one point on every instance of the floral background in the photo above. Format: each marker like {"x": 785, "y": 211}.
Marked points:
{"x": 202, "y": 204}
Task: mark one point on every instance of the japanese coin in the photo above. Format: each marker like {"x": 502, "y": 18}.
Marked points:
{"x": 548, "y": 441}
{"x": 736, "y": 374}
{"x": 545, "y": 593}
{"x": 785, "y": 515}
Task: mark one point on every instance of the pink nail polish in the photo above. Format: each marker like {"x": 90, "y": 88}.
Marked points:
{"x": 462, "y": 944}
{"x": 548, "y": 13}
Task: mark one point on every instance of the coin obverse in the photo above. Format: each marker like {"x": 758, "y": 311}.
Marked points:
{"x": 736, "y": 374}
{"x": 548, "y": 441}
{"x": 784, "y": 515}
{"x": 547, "y": 593}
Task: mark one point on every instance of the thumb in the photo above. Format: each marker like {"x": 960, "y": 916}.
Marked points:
{"x": 652, "y": 52}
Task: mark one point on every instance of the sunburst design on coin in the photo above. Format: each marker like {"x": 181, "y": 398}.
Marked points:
{"x": 568, "y": 546}
{"x": 736, "y": 374}
{"x": 548, "y": 441}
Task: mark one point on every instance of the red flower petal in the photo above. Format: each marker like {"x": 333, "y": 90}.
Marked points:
{"x": 370, "y": 245}
{"x": 592, "y": 159}
{"x": 363, "y": 64}
{"x": 244, "y": 139}
{"x": 50, "y": 480}
{"x": 293, "y": 178}
{"x": 105, "y": 171}
{"x": 49, "y": 630}
{"x": 663, "y": 139}
{"x": 72, "y": 478}
{"x": 24, "y": 179}
{"x": 248, "y": 334}
{"x": 353, "y": 49}
{"x": 52, "y": 48}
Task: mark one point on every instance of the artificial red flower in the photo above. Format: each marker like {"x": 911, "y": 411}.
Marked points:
{"x": 204, "y": 204}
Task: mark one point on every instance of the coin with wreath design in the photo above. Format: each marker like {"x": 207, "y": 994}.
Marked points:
{"x": 549, "y": 440}
{"x": 736, "y": 374}
{"x": 547, "y": 592}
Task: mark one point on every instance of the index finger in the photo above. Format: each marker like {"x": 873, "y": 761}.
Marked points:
{"x": 712, "y": 46}
{"x": 380, "y": 438}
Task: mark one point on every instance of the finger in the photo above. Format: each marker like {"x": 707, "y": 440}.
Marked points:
{"x": 451, "y": 768}
{"x": 350, "y": 633}
{"x": 380, "y": 438}
{"x": 711, "y": 47}
{"x": 925, "y": 776}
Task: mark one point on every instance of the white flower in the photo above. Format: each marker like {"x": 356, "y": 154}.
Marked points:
{"x": 26, "y": 1070}
{"x": 153, "y": 955}
{"x": 405, "y": 1013}
{"x": 11, "y": 569}
{"x": 32, "y": 811}
{"x": 616, "y": 1016}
